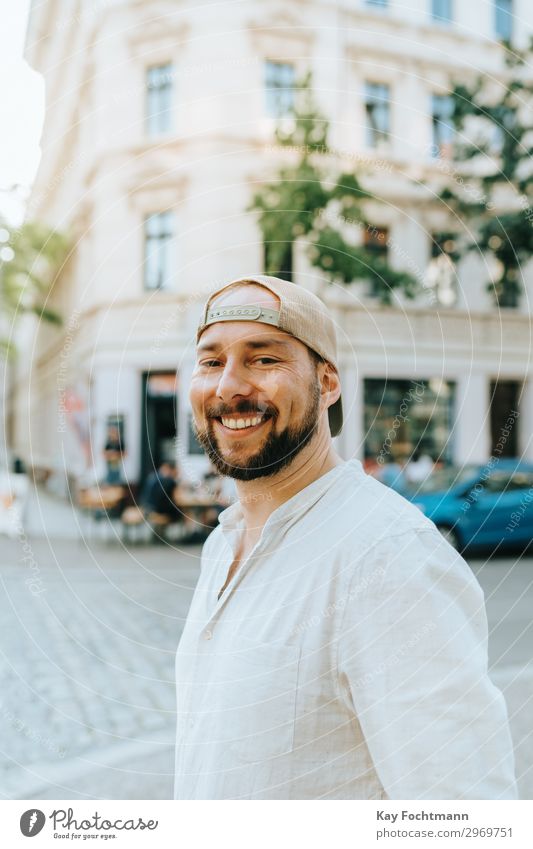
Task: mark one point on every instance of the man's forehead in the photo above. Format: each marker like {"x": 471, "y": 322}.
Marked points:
{"x": 248, "y": 333}
{"x": 244, "y": 294}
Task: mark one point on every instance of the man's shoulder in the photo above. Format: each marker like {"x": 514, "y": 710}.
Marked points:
{"x": 367, "y": 511}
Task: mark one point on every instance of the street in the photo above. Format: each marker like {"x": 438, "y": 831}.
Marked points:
{"x": 88, "y": 638}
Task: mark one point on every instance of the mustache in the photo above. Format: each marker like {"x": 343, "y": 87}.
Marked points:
{"x": 245, "y": 407}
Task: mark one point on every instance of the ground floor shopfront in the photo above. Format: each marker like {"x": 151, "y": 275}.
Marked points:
{"x": 447, "y": 384}
{"x": 454, "y": 421}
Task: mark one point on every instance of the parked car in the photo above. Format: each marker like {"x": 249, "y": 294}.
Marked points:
{"x": 484, "y": 506}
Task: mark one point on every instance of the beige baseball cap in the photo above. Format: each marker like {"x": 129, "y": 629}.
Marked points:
{"x": 301, "y": 314}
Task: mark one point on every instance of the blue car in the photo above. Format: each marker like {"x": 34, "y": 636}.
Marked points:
{"x": 485, "y": 506}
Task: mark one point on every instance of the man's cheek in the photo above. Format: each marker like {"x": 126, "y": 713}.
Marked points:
{"x": 271, "y": 385}
{"x": 198, "y": 395}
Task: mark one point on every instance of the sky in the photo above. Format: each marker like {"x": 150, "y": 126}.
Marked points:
{"x": 21, "y": 110}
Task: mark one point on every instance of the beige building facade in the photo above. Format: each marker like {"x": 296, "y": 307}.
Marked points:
{"x": 160, "y": 126}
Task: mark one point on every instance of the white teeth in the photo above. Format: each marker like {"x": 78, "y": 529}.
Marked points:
{"x": 239, "y": 424}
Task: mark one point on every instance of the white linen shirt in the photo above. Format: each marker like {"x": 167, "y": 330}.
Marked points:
{"x": 346, "y": 659}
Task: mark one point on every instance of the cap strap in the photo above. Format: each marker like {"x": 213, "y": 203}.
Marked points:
{"x": 248, "y": 312}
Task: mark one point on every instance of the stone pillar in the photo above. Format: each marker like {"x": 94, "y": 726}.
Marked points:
{"x": 115, "y": 391}
{"x": 471, "y": 433}
{"x": 525, "y": 422}
{"x": 350, "y": 441}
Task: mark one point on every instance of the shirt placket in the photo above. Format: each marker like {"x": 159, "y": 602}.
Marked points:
{"x": 211, "y": 623}
{"x": 271, "y": 534}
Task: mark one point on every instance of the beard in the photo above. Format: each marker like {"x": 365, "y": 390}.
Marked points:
{"x": 278, "y": 450}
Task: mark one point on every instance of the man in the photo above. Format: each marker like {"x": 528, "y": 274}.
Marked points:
{"x": 158, "y": 489}
{"x": 336, "y": 645}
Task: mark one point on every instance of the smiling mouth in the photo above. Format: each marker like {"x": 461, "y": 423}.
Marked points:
{"x": 242, "y": 423}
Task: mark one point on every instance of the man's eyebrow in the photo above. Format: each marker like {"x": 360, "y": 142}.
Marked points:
{"x": 254, "y": 344}
{"x": 269, "y": 342}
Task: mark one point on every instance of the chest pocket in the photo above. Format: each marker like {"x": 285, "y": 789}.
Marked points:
{"x": 249, "y": 701}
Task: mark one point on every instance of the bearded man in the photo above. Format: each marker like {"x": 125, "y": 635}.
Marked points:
{"x": 336, "y": 645}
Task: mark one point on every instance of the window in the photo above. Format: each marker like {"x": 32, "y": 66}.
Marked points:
{"x": 441, "y": 10}
{"x": 159, "y": 99}
{"x": 158, "y": 237}
{"x": 503, "y": 19}
{"x": 504, "y": 405}
{"x": 279, "y": 88}
{"x": 504, "y": 131}
{"x": 285, "y": 263}
{"x": 426, "y": 423}
{"x": 444, "y": 243}
{"x": 377, "y": 107}
{"x": 521, "y": 480}
{"x": 499, "y": 482}
{"x": 376, "y": 242}
{"x": 511, "y": 482}
{"x": 442, "y": 108}
{"x": 441, "y": 274}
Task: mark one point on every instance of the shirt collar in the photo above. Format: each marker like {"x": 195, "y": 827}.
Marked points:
{"x": 231, "y": 519}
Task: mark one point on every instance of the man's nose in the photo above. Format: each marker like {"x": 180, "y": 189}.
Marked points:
{"x": 233, "y": 381}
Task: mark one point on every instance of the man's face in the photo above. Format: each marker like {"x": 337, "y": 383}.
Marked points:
{"x": 255, "y": 392}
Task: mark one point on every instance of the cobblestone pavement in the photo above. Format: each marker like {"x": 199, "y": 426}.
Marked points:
{"x": 87, "y": 706}
{"x": 508, "y": 587}
{"x": 88, "y": 637}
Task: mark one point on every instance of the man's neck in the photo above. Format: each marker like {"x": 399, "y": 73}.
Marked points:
{"x": 259, "y": 498}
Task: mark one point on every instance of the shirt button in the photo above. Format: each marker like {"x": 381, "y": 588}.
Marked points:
{"x": 207, "y": 635}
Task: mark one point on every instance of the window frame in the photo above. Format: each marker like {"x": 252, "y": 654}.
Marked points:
{"x": 287, "y": 272}
{"x": 439, "y": 18}
{"x": 376, "y": 138}
{"x": 159, "y": 117}
{"x": 443, "y": 263}
{"x": 441, "y": 147}
{"x": 502, "y": 14}
{"x": 164, "y": 239}
{"x": 279, "y": 94}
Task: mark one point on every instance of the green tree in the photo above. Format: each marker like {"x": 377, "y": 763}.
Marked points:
{"x": 495, "y": 126}
{"x": 308, "y": 199}
{"x": 31, "y": 258}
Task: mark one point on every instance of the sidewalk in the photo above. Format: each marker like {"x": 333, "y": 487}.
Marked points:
{"x": 87, "y": 697}
{"x": 121, "y": 771}
{"x": 47, "y": 515}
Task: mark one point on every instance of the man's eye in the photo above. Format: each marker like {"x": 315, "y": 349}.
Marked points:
{"x": 266, "y": 360}
{"x": 210, "y": 363}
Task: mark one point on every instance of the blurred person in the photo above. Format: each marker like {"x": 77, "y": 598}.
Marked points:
{"x": 336, "y": 645}
{"x": 114, "y": 453}
{"x": 221, "y": 490}
{"x": 158, "y": 490}
{"x": 393, "y": 474}
{"x": 419, "y": 467}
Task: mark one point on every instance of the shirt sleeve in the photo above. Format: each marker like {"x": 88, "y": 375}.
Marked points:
{"x": 412, "y": 664}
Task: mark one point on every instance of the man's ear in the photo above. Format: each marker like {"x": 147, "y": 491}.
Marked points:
{"x": 330, "y": 384}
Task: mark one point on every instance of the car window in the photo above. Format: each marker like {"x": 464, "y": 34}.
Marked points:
{"x": 499, "y": 482}
{"x": 443, "y": 479}
{"x": 522, "y": 480}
